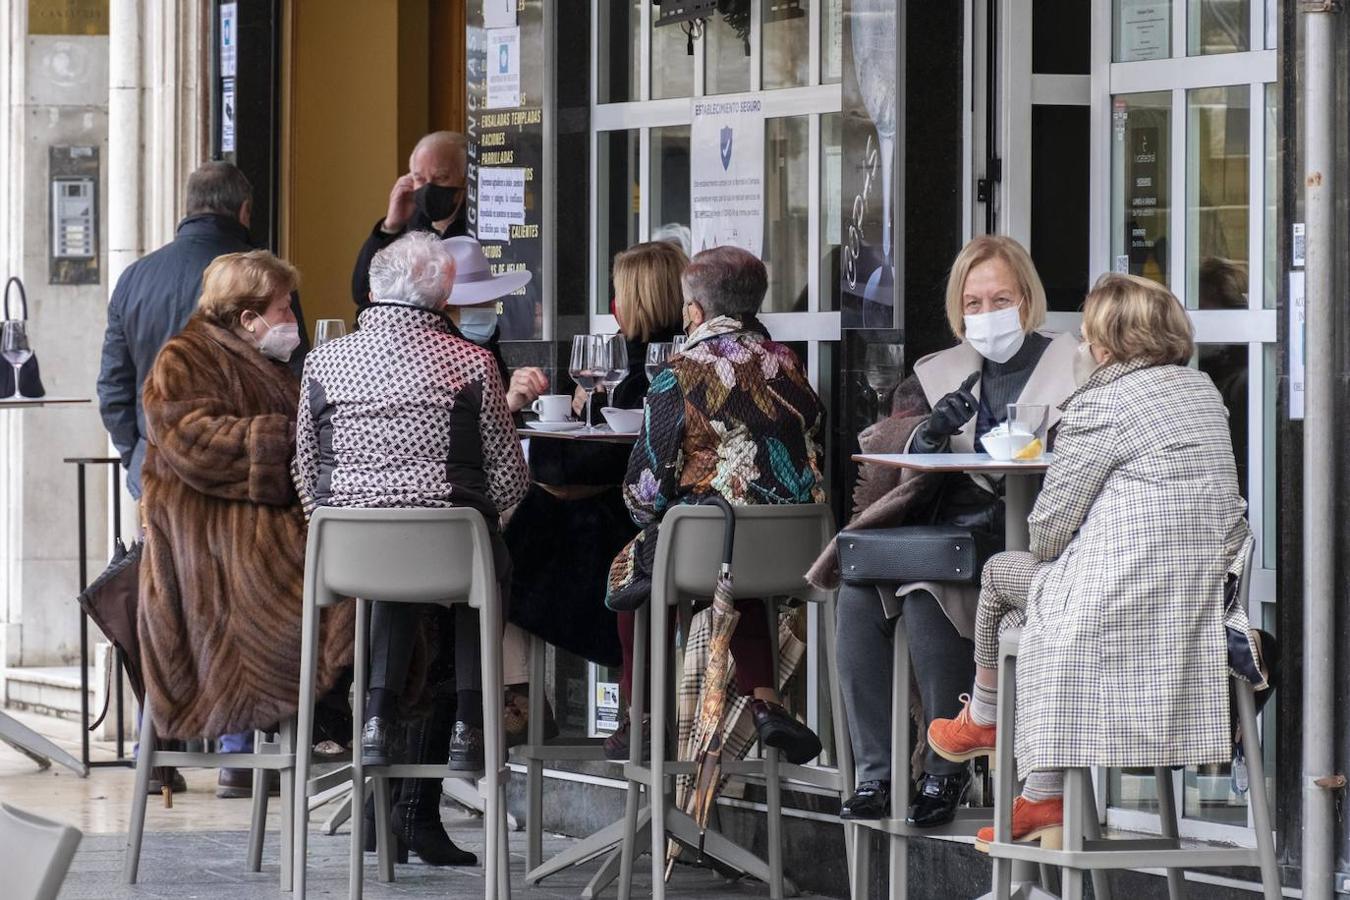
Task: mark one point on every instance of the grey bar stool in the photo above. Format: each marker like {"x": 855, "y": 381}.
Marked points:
{"x": 1083, "y": 849}
{"x": 773, "y": 547}
{"x": 439, "y": 556}
{"x": 268, "y": 755}
{"x": 35, "y": 853}
{"x": 968, "y": 820}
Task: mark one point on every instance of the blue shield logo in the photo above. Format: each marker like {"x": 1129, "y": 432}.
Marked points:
{"x": 726, "y": 147}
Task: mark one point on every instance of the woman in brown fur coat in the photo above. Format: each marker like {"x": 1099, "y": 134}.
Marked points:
{"x": 221, "y": 580}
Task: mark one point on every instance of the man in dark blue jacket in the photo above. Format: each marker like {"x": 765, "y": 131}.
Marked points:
{"x": 158, "y": 293}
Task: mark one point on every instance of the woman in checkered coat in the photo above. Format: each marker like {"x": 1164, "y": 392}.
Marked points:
{"x": 1123, "y": 658}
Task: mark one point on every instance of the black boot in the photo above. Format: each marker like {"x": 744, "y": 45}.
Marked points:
{"x": 368, "y": 835}
{"x": 417, "y": 815}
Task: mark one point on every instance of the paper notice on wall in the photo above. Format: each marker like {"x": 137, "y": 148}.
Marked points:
{"x": 227, "y": 115}
{"x": 726, "y": 174}
{"x": 229, "y": 28}
{"x": 501, "y": 202}
{"x": 606, "y": 708}
{"x": 1145, "y": 30}
{"x": 499, "y": 13}
{"x": 503, "y": 68}
{"x": 1296, "y": 344}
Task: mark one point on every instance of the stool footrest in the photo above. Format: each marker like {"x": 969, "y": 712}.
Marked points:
{"x": 189, "y": 760}
{"x": 966, "y": 824}
{"x": 1133, "y": 857}
{"x": 550, "y": 752}
{"x": 420, "y": 770}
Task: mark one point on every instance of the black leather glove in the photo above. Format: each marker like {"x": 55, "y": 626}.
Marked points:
{"x": 953, "y": 411}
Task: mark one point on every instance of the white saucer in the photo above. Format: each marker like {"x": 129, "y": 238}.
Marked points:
{"x": 556, "y": 426}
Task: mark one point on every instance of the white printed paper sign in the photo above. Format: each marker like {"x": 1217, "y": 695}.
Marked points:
{"x": 503, "y": 68}
{"x": 726, "y": 174}
{"x": 1297, "y": 334}
{"x": 499, "y": 13}
{"x": 227, "y": 115}
{"x": 501, "y": 202}
{"x": 229, "y": 35}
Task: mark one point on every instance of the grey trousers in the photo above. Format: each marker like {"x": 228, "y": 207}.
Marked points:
{"x": 393, "y": 627}
{"x": 944, "y": 667}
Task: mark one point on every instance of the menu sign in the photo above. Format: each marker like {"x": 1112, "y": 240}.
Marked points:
{"x": 505, "y": 130}
{"x": 1144, "y": 204}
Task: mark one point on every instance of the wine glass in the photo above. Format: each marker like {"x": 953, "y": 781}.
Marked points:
{"x": 677, "y": 344}
{"x": 658, "y": 354}
{"x": 14, "y": 346}
{"x": 588, "y": 366}
{"x": 616, "y": 364}
{"x": 329, "y": 330}
{"x": 882, "y": 367}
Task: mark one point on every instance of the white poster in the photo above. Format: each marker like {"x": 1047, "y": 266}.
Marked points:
{"x": 726, "y": 174}
{"x": 227, "y": 115}
{"x": 501, "y": 202}
{"x": 229, "y": 26}
{"x": 1145, "y": 30}
{"x": 499, "y": 13}
{"x": 1296, "y": 344}
{"x": 503, "y": 68}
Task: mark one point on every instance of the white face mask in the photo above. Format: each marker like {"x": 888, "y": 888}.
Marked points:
{"x": 477, "y": 323}
{"x": 997, "y": 336}
{"x": 280, "y": 341}
{"x": 1084, "y": 364}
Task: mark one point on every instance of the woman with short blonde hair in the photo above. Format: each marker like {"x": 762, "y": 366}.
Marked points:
{"x": 1121, "y": 600}
{"x": 647, "y": 296}
{"x": 235, "y": 283}
{"x": 995, "y": 305}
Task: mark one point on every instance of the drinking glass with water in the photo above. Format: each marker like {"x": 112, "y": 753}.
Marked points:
{"x": 14, "y": 347}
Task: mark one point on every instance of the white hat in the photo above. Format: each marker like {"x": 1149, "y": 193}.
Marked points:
{"x": 474, "y": 281}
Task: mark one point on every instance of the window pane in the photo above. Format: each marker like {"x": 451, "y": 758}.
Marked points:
{"x": 669, "y": 185}
{"x": 1209, "y": 796}
{"x": 1218, "y": 26}
{"x": 1226, "y": 366}
{"x": 832, "y": 42}
{"x": 1272, "y": 214}
{"x": 1060, "y": 182}
{"x": 621, "y": 36}
{"x": 1217, "y": 158}
{"x": 726, "y": 51}
{"x": 672, "y": 63}
{"x": 1143, "y": 30}
{"x": 786, "y": 212}
{"x": 1140, "y": 198}
{"x": 831, "y": 209}
{"x": 786, "y": 43}
{"x": 617, "y": 164}
{"x": 1270, "y": 540}
{"x": 1135, "y": 789}
{"x": 1061, "y": 37}
{"x": 1272, "y": 24}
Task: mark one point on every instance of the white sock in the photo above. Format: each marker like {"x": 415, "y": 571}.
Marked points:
{"x": 1044, "y": 784}
{"x": 984, "y": 705}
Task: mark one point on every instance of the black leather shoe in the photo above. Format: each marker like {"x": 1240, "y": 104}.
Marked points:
{"x": 377, "y": 742}
{"x": 781, "y": 730}
{"x": 466, "y": 748}
{"x": 872, "y": 800}
{"x": 616, "y": 746}
{"x": 936, "y": 798}
{"x": 236, "y": 784}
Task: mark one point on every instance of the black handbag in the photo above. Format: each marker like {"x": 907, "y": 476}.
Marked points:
{"x": 30, "y": 379}
{"x": 913, "y": 553}
{"x": 111, "y": 601}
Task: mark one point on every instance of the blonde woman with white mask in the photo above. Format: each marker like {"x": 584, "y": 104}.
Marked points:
{"x": 995, "y": 305}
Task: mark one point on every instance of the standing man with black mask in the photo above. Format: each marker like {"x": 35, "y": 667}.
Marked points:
{"x": 430, "y": 197}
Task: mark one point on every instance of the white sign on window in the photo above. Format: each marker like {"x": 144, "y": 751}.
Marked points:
{"x": 1144, "y": 30}
{"x": 229, "y": 35}
{"x": 503, "y": 68}
{"x": 501, "y": 202}
{"x": 227, "y": 115}
{"x": 726, "y": 174}
{"x": 1296, "y": 344}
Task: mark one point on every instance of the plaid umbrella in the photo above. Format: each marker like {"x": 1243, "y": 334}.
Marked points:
{"x": 705, "y": 742}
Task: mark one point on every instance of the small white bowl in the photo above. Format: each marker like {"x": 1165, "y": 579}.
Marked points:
{"x": 623, "y": 421}
{"x": 1002, "y": 445}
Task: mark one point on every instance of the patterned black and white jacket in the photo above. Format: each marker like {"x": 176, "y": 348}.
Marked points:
{"x": 406, "y": 413}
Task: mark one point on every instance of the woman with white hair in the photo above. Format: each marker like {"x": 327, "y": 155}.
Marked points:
{"x": 407, "y": 413}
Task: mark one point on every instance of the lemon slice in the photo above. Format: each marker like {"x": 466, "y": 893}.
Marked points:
{"x": 1030, "y": 451}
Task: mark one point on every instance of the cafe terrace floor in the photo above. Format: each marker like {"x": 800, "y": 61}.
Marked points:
{"x": 197, "y": 848}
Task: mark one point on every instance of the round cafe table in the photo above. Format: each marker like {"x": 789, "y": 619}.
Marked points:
{"x": 1021, "y": 483}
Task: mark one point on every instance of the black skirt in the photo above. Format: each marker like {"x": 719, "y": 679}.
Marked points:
{"x": 560, "y": 554}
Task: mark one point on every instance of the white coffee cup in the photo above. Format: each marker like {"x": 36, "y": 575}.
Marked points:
{"x": 553, "y": 407}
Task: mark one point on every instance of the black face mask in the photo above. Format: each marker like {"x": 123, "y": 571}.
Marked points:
{"x": 436, "y": 202}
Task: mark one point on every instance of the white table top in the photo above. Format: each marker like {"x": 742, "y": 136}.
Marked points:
{"x": 602, "y": 433}
{"x": 955, "y": 462}
{"x": 27, "y": 402}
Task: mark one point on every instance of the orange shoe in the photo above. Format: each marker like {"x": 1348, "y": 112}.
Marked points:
{"x": 1032, "y": 820}
{"x": 961, "y": 739}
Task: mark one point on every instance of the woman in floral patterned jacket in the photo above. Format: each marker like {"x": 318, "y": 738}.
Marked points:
{"x": 733, "y": 415}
